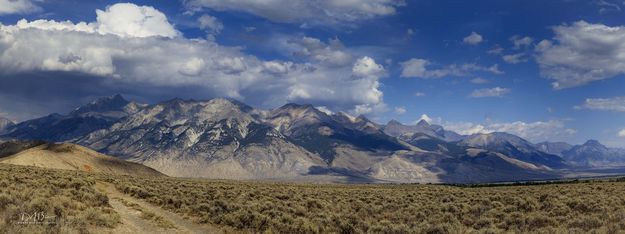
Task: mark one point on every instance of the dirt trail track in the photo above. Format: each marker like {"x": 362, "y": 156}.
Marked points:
{"x": 133, "y": 223}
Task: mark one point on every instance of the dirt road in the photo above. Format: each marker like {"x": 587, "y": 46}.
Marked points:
{"x": 133, "y": 216}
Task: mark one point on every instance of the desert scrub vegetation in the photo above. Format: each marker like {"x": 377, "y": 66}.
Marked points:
{"x": 593, "y": 206}
{"x": 37, "y": 200}
{"x": 74, "y": 206}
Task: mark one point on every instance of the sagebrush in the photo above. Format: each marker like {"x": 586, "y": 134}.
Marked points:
{"x": 580, "y": 207}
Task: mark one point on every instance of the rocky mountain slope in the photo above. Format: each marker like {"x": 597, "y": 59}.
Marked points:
{"x": 68, "y": 157}
{"x": 226, "y": 139}
{"x": 218, "y": 138}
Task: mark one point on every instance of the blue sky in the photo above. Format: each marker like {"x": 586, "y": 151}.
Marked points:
{"x": 544, "y": 70}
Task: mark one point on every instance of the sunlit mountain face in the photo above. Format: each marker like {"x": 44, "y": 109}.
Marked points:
{"x": 466, "y": 68}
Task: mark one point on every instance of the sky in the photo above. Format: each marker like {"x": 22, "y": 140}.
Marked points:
{"x": 543, "y": 70}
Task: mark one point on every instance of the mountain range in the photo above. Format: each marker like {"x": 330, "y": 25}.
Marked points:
{"x": 226, "y": 139}
{"x": 590, "y": 154}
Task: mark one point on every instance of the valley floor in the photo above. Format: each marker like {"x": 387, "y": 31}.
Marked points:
{"x": 36, "y": 200}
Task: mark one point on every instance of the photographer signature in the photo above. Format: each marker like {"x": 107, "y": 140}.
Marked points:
{"x": 36, "y": 218}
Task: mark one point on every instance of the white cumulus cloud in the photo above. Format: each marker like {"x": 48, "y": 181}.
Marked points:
{"x": 143, "y": 48}
{"x": 621, "y": 133}
{"x": 581, "y": 53}
{"x": 415, "y": 68}
{"x": 473, "y": 39}
{"x": 123, "y": 19}
{"x": 17, "y": 7}
{"x": 193, "y": 67}
{"x": 211, "y": 23}
{"x": 400, "y": 110}
{"x": 605, "y": 104}
{"x": 332, "y": 53}
{"x": 514, "y": 58}
{"x": 130, "y": 20}
{"x": 520, "y": 42}
{"x": 367, "y": 67}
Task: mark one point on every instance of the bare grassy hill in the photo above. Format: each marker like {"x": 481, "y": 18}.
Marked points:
{"x": 74, "y": 157}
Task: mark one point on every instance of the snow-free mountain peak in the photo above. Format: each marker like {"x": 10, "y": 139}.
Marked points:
{"x": 594, "y": 143}
{"x": 514, "y": 147}
{"x": 112, "y": 103}
{"x": 393, "y": 122}
{"x": 594, "y": 154}
{"x": 189, "y": 112}
{"x": 293, "y": 115}
{"x": 397, "y": 129}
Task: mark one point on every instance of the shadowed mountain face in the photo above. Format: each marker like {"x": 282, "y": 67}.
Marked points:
{"x": 12, "y": 147}
{"x": 99, "y": 114}
{"x": 514, "y": 147}
{"x": 594, "y": 154}
{"x": 320, "y": 133}
{"x": 107, "y": 105}
{"x": 5, "y": 124}
{"x": 226, "y": 139}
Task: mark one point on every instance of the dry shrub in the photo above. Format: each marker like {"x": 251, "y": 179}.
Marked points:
{"x": 307, "y": 208}
{"x": 67, "y": 198}
{"x": 595, "y": 206}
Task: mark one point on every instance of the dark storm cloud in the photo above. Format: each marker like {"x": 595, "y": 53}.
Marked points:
{"x": 35, "y": 94}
